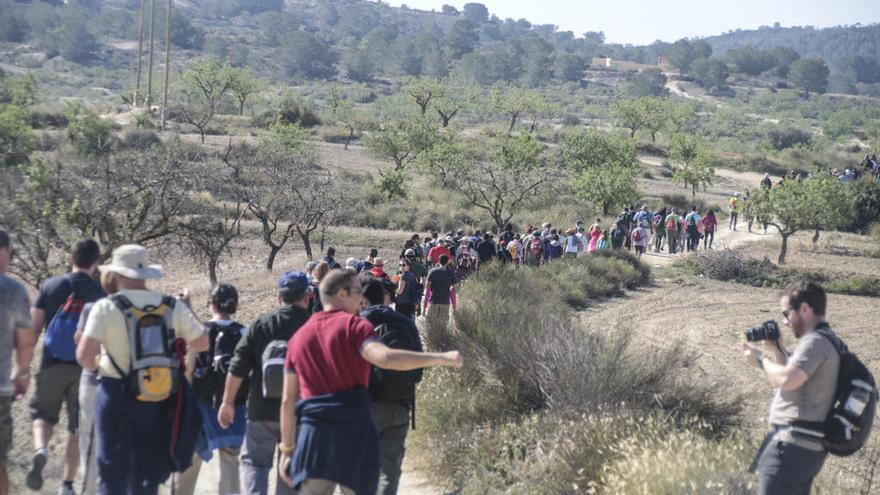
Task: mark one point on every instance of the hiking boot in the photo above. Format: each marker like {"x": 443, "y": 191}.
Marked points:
{"x": 34, "y": 479}
{"x": 66, "y": 490}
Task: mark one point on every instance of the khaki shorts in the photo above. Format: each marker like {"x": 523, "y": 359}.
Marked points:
{"x": 57, "y": 384}
{"x": 5, "y": 427}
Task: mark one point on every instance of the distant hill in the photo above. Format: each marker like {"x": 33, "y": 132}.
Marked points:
{"x": 833, "y": 45}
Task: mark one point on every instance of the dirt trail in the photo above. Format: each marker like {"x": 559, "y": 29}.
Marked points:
{"x": 410, "y": 484}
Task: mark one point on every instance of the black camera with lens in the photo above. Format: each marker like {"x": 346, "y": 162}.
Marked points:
{"x": 769, "y": 330}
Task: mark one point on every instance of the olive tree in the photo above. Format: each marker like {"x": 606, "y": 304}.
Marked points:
{"x": 504, "y": 182}
{"x": 820, "y": 203}
{"x": 284, "y": 189}
{"x": 693, "y": 162}
{"x": 602, "y": 168}
{"x": 202, "y": 89}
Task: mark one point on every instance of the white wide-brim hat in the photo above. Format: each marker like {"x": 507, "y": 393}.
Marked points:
{"x": 133, "y": 261}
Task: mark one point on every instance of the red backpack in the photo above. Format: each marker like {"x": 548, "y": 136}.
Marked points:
{"x": 536, "y": 246}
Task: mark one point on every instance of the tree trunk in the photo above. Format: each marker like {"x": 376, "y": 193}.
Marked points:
{"x": 307, "y": 245}
{"x": 350, "y": 137}
{"x": 784, "y": 249}
{"x": 323, "y": 231}
{"x": 606, "y": 207}
{"x": 513, "y": 118}
{"x": 270, "y": 263}
{"x": 632, "y": 133}
{"x": 816, "y": 240}
{"x": 653, "y": 137}
{"x": 241, "y": 107}
{"x": 212, "y": 271}
{"x": 202, "y": 134}
{"x": 693, "y": 190}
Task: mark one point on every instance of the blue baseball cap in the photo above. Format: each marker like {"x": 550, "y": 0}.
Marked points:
{"x": 297, "y": 281}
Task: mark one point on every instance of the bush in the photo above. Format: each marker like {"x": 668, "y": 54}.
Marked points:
{"x": 540, "y": 391}
{"x": 732, "y": 266}
{"x": 780, "y": 139}
{"x": 39, "y": 119}
{"x": 855, "y": 286}
{"x": 139, "y": 140}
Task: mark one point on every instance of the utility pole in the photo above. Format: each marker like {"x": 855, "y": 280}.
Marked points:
{"x": 167, "y": 63}
{"x": 152, "y": 43}
{"x": 137, "y": 88}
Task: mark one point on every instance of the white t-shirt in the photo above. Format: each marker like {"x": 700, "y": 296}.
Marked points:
{"x": 106, "y": 324}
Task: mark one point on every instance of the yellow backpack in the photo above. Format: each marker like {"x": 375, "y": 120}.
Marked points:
{"x": 154, "y": 370}
{"x": 513, "y": 250}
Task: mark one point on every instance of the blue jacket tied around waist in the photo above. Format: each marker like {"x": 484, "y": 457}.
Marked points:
{"x": 337, "y": 441}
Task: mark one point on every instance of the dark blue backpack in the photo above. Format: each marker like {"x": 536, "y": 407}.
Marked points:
{"x": 59, "y": 334}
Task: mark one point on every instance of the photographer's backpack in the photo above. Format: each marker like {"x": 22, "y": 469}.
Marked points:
{"x": 273, "y": 369}
{"x": 396, "y": 386}
{"x": 849, "y": 423}
{"x": 153, "y": 373}
{"x": 209, "y": 377}
{"x": 59, "y": 334}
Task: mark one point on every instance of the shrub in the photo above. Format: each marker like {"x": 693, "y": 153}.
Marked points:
{"x": 780, "y": 139}
{"x": 855, "y": 286}
{"x": 732, "y": 266}
{"x": 39, "y": 119}
{"x": 139, "y": 139}
{"x": 540, "y": 391}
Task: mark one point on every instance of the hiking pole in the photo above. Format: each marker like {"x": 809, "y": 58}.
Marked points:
{"x": 88, "y": 457}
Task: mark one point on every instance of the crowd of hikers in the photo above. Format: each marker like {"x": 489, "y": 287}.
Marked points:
{"x": 151, "y": 390}
{"x": 323, "y": 387}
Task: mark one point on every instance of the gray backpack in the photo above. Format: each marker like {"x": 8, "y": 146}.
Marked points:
{"x": 273, "y": 369}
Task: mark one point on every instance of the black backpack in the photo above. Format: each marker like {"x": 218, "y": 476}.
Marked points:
{"x": 848, "y": 426}
{"x": 396, "y": 386}
{"x": 209, "y": 379}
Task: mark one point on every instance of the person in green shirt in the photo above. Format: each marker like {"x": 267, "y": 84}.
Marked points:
{"x": 659, "y": 230}
{"x": 672, "y": 230}
{"x": 734, "y": 204}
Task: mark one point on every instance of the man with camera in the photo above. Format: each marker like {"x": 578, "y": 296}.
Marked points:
{"x": 805, "y": 381}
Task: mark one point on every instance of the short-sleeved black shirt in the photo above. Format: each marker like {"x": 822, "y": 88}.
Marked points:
{"x": 55, "y": 292}
{"x": 441, "y": 280}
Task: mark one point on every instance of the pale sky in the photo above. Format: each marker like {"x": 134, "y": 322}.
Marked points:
{"x": 643, "y": 21}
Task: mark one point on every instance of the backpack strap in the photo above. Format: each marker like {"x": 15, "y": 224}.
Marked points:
{"x": 824, "y": 330}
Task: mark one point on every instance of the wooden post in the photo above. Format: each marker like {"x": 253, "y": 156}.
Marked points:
{"x": 167, "y": 63}
{"x": 152, "y": 44}
{"x": 137, "y": 88}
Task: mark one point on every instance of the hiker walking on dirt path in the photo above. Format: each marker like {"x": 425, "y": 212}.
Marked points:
{"x": 16, "y": 336}
{"x": 692, "y": 222}
{"x": 329, "y": 259}
{"x": 143, "y": 400}
{"x": 57, "y": 310}
{"x": 440, "y": 283}
{"x": 393, "y": 393}
{"x": 408, "y": 290}
{"x": 673, "y": 222}
{"x": 659, "y": 222}
{"x": 805, "y": 381}
{"x": 639, "y": 237}
{"x": 734, "y": 203}
{"x": 88, "y": 392}
{"x": 328, "y": 436}
{"x": 259, "y": 358}
{"x": 595, "y": 232}
{"x": 208, "y": 371}
{"x": 709, "y": 223}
